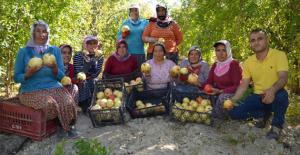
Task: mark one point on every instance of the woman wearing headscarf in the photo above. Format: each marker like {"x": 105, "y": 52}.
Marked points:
{"x": 88, "y": 61}
{"x": 224, "y": 76}
{"x": 40, "y": 83}
{"x": 133, "y": 36}
{"x": 195, "y": 64}
{"x": 163, "y": 29}
{"x": 66, "y": 52}
{"x": 120, "y": 62}
{"x": 159, "y": 76}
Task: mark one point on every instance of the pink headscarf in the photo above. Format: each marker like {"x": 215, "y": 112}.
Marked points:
{"x": 223, "y": 67}
{"x": 89, "y": 38}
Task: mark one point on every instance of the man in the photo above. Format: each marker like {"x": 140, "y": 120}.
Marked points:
{"x": 268, "y": 70}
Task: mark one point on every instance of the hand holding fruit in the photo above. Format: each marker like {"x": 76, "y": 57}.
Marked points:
{"x": 146, "y": 68}
{"x": 65, "y": 81}
{"x": 125, "y": 31}
{"x": 34, "y": 65}
{"x": 228, "y": 104}
{"x": 49, "y": 60}
{"x": 81, "y": 77}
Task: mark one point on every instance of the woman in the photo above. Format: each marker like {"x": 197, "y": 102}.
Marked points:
{"x": 120, "y": 63}
{"x": 66, "y": 52}
{"x": 163, "y": 27}
{"x": 88, "y": 61}
{"x": 224, "y": 76}
{"x": 196, "y": 65}
{"x": 40, "y": 84}
{"x": 134, "y": 37}
{"x": 159, "y": 76}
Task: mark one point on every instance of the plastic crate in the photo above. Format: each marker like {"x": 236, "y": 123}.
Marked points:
{"x": 24, "y": 121}
{"x": 192, "y": 116}
{"x": 126, "y": 77}
{"x": 104, "y": 117}
{"x": 160, "y": 98}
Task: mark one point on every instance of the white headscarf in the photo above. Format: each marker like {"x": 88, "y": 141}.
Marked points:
{"x": 138, "y": 8}
{"x": 223, "y": 67}
{"x": 31, "y": 43}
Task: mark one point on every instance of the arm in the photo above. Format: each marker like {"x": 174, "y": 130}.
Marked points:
{"x": 99, "y": 67}
{"x": 146, "y": 35}
{"x": 78, "y": 63}
{"x": 204, "y": 72}
{"x": 241, "y": 90}
{"x": 19, "y": 68}
{"x": 270, "y": 93}
{"x": 59, "y": 71}
{"x": 236, "y": 76}
{"x": 178, "y": 34}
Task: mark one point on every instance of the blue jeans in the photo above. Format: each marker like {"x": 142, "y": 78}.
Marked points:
{"x": 254, "y": 108}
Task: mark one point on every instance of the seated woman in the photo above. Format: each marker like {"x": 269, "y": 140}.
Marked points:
{"x": 194, "y": 64}
{"x": 159, "y": 76}
{"x": 88, "y": 61}
{"x": 40, "y": 81}
{"x": 224, "y": 76}
{"x": 120, "y": 63}
{"x": 66, "y": 52}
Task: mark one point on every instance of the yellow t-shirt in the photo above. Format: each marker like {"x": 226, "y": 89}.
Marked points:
{"x": 265, "y": 73}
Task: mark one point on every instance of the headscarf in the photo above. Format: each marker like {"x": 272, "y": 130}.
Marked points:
{"x": 31, "y": 43}
{"x": 136, "y": 6}
{"x": 85, "y": 54}
{"x": 66, "y": 66}
{"x": 223, "y": 67}
{"x": 116, "y": 54}
{"x": 195, "y": 48}
{"x": 163, "y": 21}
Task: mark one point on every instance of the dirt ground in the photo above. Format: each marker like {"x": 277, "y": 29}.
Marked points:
{"x": 160, "y": 135}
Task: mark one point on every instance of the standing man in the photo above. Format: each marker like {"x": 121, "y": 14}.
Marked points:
{"x": 268, "y": 70}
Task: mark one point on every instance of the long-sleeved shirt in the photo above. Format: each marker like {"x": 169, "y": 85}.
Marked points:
{"x": 204, "y": 69}
{"x": 160, "y": 74}
{"x": 43, "y": 78}
{"x": 172, "y": 36}
{"x": 227, "y": 82}
{"x": 115, "y": 67}
{"x": 134, "y": 39}
{"x": 92, "y": 69}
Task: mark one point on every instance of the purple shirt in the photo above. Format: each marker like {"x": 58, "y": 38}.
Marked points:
{"x": 160, "y": 74}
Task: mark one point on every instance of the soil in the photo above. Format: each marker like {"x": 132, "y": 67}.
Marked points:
{"x": 160, "y": 135}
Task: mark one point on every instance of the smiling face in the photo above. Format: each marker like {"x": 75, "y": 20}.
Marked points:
{"x": 258, "y": 42}
{"x": 40, "y": 34}
{"x": 221, "y": 53}
{"x": 194, "y": 56}
{"x": 66, "y": 54}
{"x": 92, "y": 46}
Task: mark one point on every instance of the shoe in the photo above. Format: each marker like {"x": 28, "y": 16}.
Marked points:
{"x": 73, "y": 133}
{"x": 61, "y": 133}
{"x": 274, "y": 133}
{"x": 262, "y": 122}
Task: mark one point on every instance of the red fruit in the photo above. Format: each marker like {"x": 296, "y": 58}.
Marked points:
{"x": 112, "y": 97}
{"x": 208, "y": 88}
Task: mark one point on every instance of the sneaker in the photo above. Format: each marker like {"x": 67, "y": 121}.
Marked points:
{"x": 274, "y": 133}
{"x": 262, "y": 122}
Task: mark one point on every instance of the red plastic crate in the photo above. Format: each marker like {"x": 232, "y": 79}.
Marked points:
{"x": 24, "y": 121}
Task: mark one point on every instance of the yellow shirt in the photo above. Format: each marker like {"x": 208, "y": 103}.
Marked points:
{"x": 265, "y": 73}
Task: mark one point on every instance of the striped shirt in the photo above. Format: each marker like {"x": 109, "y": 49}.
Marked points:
{"x": 80, "y": 65}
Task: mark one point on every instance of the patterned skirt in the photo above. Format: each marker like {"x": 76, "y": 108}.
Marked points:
{"x": 218, "y": 110}
{"x": 73, "y": 90}
{"x": 55, "y": 102}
